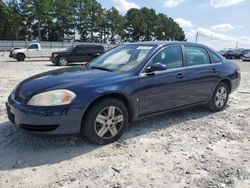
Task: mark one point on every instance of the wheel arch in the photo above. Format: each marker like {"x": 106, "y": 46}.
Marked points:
{"x": 228, "y": 82}
{"x": 224, "y": 80}
{"x": 18, "y": 58}
{"x": 125, "y": 99}
{"x": 21, "y": 53}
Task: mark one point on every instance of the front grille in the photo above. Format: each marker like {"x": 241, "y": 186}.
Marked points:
{"x": 38, "y": 128}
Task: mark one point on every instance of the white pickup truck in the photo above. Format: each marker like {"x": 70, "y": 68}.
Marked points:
{"x": 33, "y": 50}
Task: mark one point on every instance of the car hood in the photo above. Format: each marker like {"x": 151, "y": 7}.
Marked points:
{"x": 19, "y": 50}
{"x": 63, "y": 78}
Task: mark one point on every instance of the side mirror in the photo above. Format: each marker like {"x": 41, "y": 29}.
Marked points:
{"x": 156, "y": 67}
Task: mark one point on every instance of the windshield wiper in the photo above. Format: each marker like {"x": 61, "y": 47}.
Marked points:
{"x": 101, "y": 68}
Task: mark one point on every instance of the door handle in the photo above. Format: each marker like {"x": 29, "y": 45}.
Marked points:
{"x": 214, "y": 71}
{"x": 180, "y": 75}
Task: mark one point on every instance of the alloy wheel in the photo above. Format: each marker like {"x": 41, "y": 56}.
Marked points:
{"x": 63, "y": 61}
{"x": 109, "y": 122}
{"x": 221, "y": 97}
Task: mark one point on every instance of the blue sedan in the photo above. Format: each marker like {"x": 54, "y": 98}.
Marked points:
{"x": 100, "y": 99}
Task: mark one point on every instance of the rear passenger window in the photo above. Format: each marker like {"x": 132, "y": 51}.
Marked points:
{"x": 196, "y": 56}
{"x": 80, "y": 48}
{"x": 90, "y": 48}
{"x": 100, "y": 48}
{"x": 215, "y": 58}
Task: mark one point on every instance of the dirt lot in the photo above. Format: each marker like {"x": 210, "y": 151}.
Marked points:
{"x": 191, "y": 148}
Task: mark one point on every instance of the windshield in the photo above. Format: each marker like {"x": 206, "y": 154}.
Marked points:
{"x": 123, "y": 58}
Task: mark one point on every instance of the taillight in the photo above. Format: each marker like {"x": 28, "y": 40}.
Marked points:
{"x": 238, "y": 66}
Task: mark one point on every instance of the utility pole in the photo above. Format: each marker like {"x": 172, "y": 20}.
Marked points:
{"x": 236, "y": 47}
{"x": 197, "y": 35}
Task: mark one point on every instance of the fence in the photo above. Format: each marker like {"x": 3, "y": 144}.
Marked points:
{"x": 6, "y": 45}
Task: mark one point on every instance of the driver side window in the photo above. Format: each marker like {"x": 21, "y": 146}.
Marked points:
{"x": 170, "y": 56}
{"x": 33, "y": 46}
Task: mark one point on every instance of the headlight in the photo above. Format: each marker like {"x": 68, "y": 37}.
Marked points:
{"x": 14, "y": 52}
{"x": 55, "y": 55}
{"x": 52, "y": 98}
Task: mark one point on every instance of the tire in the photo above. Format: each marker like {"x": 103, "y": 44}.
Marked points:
{"x": 20, "y": 57}
{"x": 99, "y": 125}
{"x": 56, "y": 63}
{"x": 63, "y": 61}
{"x": 219, "y": 99}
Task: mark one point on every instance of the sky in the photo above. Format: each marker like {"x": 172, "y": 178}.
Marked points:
{"x": 220, "y": 23}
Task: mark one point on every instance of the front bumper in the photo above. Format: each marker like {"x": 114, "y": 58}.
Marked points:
{"x": 13, "y": 55}
{"x": 53, "y": 60}
{"x": 47, "y": 121}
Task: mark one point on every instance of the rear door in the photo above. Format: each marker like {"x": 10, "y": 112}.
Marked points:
{"x": 77, "y": 54}
{"x": 89, "y": 52}
{"x": 200, "y": 74}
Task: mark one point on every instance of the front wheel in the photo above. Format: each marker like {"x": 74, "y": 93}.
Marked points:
{"x": 20, "y": 57}
{"x": 220, "y": 97}
{"x": 63, "y": 61}
{"x": 105, "y": 121}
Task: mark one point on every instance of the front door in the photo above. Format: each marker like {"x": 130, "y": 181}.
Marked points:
{"x": 33, "y": 51}
{"x": 162, "y": 90}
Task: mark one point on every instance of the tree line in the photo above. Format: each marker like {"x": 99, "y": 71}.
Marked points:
{"x": 87, "y": 20}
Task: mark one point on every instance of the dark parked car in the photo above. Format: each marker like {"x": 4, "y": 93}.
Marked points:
{"x": 229, "y": 54}
{"x": 244, "y": 52}
{"x": 131, "y": 81}
{"x": 246, "y": 57}
{"x": 77, "y": 53}
{"x": 234, "y": 54}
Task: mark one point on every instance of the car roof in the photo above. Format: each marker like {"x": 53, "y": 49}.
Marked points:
{"x": 164, "y": 43}
{"x": 87, "y": 45}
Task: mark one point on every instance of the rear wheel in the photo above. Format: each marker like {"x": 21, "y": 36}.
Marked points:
{"x": 105, "y": 121}
{"x": 63, "y": 61}
{"x": 20, "y": 57}
{"x": 219, "y": 98}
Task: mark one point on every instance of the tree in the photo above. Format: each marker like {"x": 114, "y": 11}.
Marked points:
{"x": 150, "y": 21}
{"x": 64, "y": 16}
{"x": 114, "y": 30}
{"x": 135, "y": 25}
{"x": 4, "y": 15}
{"x": 168, "y": 29}
{"x": 145, "y": 25}
{"x": 37, "y": 15}
{"x": 91, "y": 20}
{"x": 16, "y": 29}
{"x": 58, "y": 20}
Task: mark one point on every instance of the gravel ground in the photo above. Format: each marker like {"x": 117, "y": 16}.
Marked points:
{"x": 191, "y": 148}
